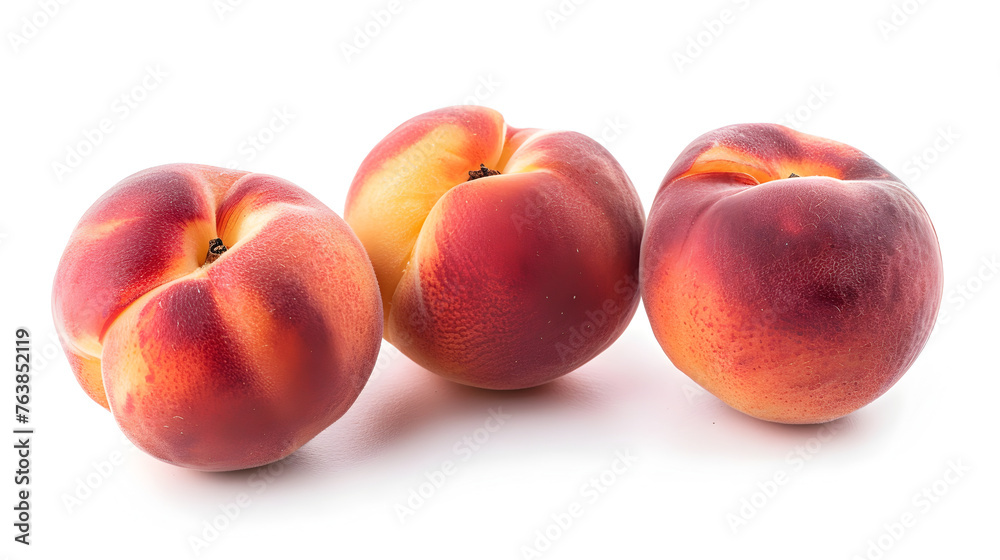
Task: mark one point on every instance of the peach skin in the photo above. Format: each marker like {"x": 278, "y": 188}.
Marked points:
{"x": 789, "y": 275}
{"x": 223, "y": 317}
{"x": 505, "y": 257}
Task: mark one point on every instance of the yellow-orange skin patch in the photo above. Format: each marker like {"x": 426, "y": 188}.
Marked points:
{"x": 228, "y": 365}
{"x": 506, "y": 281}
{"x": 792, "y": 299}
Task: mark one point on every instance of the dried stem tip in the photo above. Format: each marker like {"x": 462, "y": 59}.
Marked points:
{"x": 483, "y": 171}
{"x": 215, "y": 249}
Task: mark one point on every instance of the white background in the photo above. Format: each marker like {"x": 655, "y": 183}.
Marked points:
{"x": 608, "y": 69}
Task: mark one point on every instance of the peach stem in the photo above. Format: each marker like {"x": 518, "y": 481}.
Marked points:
{"x": 483, "y": 171}
{"x": 215, "y": 249}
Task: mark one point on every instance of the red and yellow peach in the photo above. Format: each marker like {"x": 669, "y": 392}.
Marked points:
{"x": 221, "y": 359}
{"x": 792, "y": 276}
{"x": 505, "y": 257}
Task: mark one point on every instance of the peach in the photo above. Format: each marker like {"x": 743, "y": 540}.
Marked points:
{"x": 789, "y": 275}
{"x": 505, "y": 257}
{"x": 223, "y": 317}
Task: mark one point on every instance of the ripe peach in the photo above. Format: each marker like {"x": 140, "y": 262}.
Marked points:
{"x": 791, "y": 276}
{"x": 214, "y": 358}
{"x": 506, "y": 257}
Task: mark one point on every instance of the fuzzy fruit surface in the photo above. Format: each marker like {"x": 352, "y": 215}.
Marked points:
{"x": 506, "y": 257}
{"x": 223, "y": 317}
{"x": 791, "y": 276}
